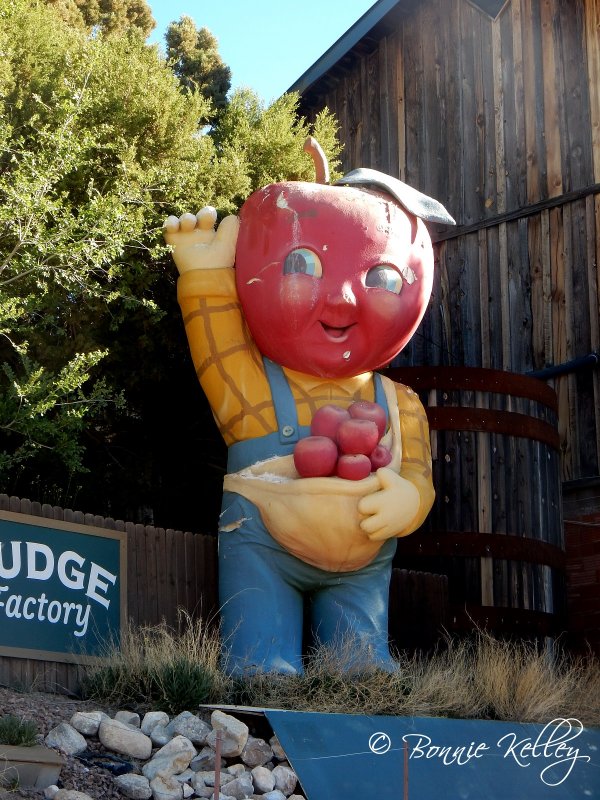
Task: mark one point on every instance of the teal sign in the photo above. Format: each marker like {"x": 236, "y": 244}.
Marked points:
{"x": 62, "y": 588}
{"x": 425, "y": 758}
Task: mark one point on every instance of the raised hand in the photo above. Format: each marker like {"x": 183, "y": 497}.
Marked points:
{"x": 196, "y": 244}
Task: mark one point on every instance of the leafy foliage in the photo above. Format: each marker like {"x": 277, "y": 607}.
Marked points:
{"x": 99, "y": 143}
{"x": 108, "y": 16}
{"x": 194, "y": 57}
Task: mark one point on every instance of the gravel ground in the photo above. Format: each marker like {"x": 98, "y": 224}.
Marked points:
{"x": 47, "y": 711}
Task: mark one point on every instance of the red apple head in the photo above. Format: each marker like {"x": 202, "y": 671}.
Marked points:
{"x": 315, "y": 457}
{"x": 353, "y": 467}
{"x": 327, "y": 419}
{"x": 333, "y": 280}
{"x": 380, "y": 457}
{"x": 358, "y": 436}
{"x": 364, "y": 409}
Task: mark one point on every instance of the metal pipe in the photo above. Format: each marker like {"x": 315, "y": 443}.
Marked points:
{"x": 575, "y": 365}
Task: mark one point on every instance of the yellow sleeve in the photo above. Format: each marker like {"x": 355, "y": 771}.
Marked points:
{"x": 416, "y": 452}
{"x": 226, "y": 359}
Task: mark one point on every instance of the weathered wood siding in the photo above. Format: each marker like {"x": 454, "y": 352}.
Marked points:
{"x": 499, "y": 119}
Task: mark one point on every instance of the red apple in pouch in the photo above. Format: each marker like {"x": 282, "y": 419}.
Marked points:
{"x": 380, "y": 457}
{"x": 315, "y": 457}
{"x": 353, "y": 467}
{"x": 365, "y": 409}
{"x": 327, "y": 419}
{"x": 358, "y": 436}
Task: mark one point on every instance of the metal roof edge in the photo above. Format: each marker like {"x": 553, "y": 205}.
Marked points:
{"x": 345, "y": 43}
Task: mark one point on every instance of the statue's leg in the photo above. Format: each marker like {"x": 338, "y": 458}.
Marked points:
{"x": 261, "y": 610}
{"x": 350, "y": 613}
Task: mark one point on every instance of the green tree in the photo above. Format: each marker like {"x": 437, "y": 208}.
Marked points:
{"x": 195, "y": 59}
{"x": 108, "y": 16}
{"x": 98, "y": 144}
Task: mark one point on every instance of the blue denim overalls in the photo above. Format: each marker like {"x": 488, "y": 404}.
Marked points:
{"x": 262, "y": 585}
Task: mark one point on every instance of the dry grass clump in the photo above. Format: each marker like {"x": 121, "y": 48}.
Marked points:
{"x": 481, "y": 678}
{"x": 333, "y": 682}
{"x": 155, "y": 665}
{"x": 520, "y": 681}
{"x": 478, "y": 678}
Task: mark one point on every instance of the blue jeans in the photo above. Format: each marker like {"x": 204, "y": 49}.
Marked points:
{"x": 261, "y": 593}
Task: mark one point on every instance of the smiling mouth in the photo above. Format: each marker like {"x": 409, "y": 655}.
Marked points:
{"x": 336, "y": 334}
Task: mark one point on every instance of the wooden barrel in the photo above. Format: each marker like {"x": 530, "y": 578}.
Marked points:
{"x": 496, "y": 528}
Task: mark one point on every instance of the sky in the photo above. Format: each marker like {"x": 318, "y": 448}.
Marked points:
{"x": 267, "y": 44}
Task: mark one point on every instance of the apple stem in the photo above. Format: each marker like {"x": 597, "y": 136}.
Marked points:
{"x": 315, "y": 151}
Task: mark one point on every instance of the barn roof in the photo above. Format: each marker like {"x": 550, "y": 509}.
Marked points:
{"x": 366, "y": 31}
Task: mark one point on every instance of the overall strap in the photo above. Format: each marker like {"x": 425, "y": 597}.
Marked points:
{"x": 279, "y": 443}
{"x": 380, "y": 397}
{"x": 283, "y": 402}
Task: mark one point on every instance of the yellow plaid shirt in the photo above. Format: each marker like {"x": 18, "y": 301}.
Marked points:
{"x": 230, "y": 370}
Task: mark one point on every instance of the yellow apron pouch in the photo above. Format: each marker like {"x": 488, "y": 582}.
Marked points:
{"x": 317, "y": 519}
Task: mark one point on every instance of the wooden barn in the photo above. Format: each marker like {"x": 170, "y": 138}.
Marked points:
{"x": 493, "y": 108}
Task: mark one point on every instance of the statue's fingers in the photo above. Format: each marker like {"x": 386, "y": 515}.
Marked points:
{"x": 372, "y": 525}
{"x": 206, "y": 217}
{"x": 227, "y": 232}
{"x": 171, "y": 224}
{"x": 369, "y": 504}
{"x": 187, "y": 222}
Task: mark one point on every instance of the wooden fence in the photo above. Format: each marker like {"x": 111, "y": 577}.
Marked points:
{"x": 167, "y": 570}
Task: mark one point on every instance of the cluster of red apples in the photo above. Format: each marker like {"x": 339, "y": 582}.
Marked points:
{"x": 343, "y": 442}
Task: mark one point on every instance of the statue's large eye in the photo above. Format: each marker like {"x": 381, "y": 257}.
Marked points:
{"x": 384, "y": 277}
{"x": 303, "y": 261}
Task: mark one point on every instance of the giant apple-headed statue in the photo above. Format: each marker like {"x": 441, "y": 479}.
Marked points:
{"x": 289, "y": 310}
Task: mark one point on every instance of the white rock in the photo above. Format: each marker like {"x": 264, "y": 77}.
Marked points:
{"x": 152, "y": 719}
{"x": 263, "y": 780}
{"x": 122, "y": 738}
{"x": 239, "y": 788}
{"x": 274, "y": 795}
{"x": 87, "y": 722}
{"x": 71, "y": 794}
{"x": 237, "y": 770}
{"x": 256, "y": 752}
{"x": 65, "y": 738}
{"x": 166, "y": 788}
{"x": 187, "y": 790}
{"x": 200, "y": 787}
{"x": 278, "y": 750}
{"x": 285, "y": 779}
{"x": 160, "y": 735}
{"x": 208, "y": 776}
{"x": 134, "y": 786}
{"x": 129, "y": 718}
{"x": 234, "y": 734}
{"x": 185, "y": 776}
{"x": 171, "y": 759}
{"x": 179, "y": 744}
{"x": 296, "y": 797}
{"x": 205, "y": 760}
{"x": 189, "y": 725}
{"x": 50, "y": 791}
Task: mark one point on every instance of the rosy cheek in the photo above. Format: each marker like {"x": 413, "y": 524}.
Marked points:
{"x": 381, "y": 309}
{"x": 299, "y": 295}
